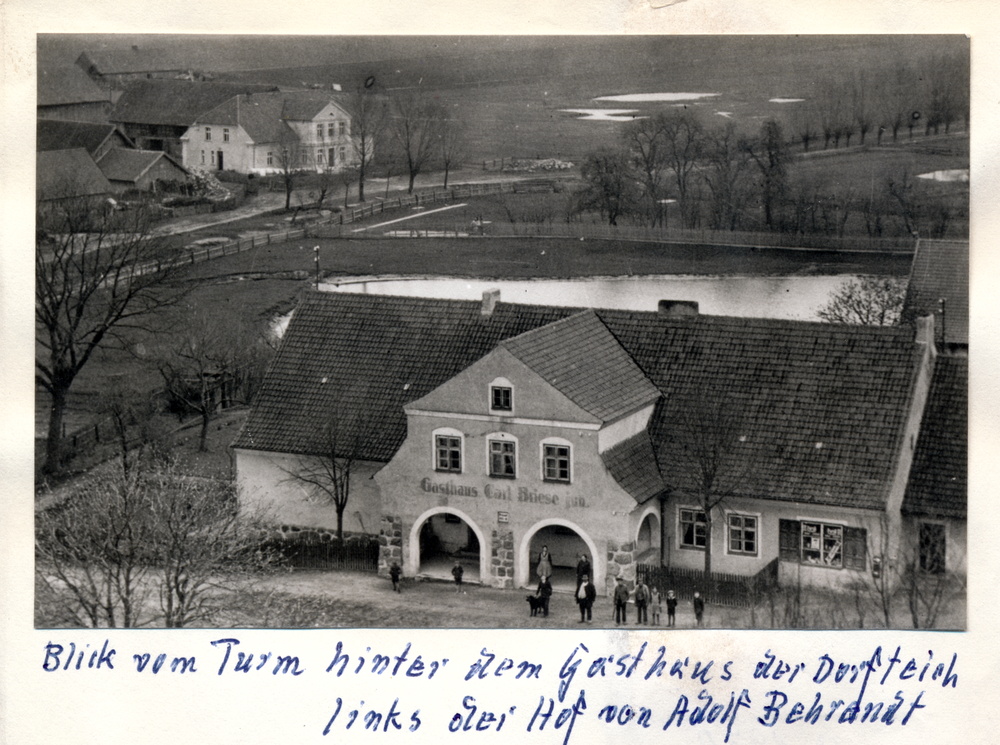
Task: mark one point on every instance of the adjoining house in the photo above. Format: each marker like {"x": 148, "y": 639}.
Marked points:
{"x": 96, "y": 139}
{"x": 271, "y": 132}
{"x": 487, "y": 430}
{"x": 155, "y": 114}
{"x": 66, "y": 92}
{"x": 140, "y": 170}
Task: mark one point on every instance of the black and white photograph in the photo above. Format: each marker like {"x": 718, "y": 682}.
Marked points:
{"x": 502, "y": 332}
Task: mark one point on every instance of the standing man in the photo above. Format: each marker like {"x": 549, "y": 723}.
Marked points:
{"x": 699, "y": 607}
{"x": 671, "y": 607}
{"x": 586, "y": 594}
{"x": 621, "y": 602}
{"x": 583, "y": 569}
{"x": 641, "y": 601}
{"x": 544, "y": 592}
{"x": 457, "y": 571}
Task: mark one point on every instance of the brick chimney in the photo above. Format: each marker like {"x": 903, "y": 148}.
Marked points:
{"x": 677, "y": 308}
{"x": 490, "y": 300}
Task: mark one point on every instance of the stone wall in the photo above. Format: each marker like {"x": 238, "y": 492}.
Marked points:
{"x": 502, "y": 560}
{"x": 390, "y": 541}
{"x": 621, "y": 563}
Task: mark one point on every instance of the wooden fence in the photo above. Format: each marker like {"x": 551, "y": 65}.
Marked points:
{"x": 351, "y": 554}
{"x": 734, "y": 590}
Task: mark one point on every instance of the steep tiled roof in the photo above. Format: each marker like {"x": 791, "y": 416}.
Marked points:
{"x": 579, "y": 357}
{"x": 372, "y": 354}
{"x": 260, "y": 115}
{"x": 67, "y": 85}
{"x": 64, "y": 174}
{"x": 129, "y": 165}
{"x": 938, "y": 478}
{"x": 941, "y": 271}
{"x": 816, "y": 410}
{"x": 174, "y": 102}
{"x": 54, "y": 134}
{"x": 632, "y": 463}
{"x": 809, "y": 412}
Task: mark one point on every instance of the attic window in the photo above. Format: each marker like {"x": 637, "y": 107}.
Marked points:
{"x": 323, "y": 381}
{"x": 406, "y": 387}
{"x": 501, "y": 398}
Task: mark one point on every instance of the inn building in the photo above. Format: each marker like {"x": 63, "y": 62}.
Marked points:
{"x": 486, "y": 430}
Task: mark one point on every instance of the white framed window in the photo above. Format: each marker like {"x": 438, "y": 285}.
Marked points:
{"x": 319, "y": 131}
{"x": 343, "y": 154}
{"x": 329, "y": 129}
{"x": 225, "y": 134}
{"x": 501, "y": 396}
{"x": 343, "y": 128}
{"x": 557, "y": 461}
{"x": 502, "y": 453}
{"x": 203, "y": 157}
{"x": 270, "y": 158}
{"x": 213, "y": 157}
{"x": 742, "y": 535}
{"x": 448, "y": 450}
{"x": 319, "y": 156}
{"x": 692, "y": 528}
{"x": 208, "y": 134}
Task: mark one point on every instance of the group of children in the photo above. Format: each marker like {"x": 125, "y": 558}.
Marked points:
{"x": 649, "y": 602}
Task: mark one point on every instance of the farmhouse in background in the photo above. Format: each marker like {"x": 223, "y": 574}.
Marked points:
{"x": 487, "y": 430}
{"x": 67, "y": 93}
{"x": 116, "y": 67}
{"x": 271, "y": 132}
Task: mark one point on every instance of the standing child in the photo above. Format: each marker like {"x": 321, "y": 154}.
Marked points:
{"x": 654, "y": 604}
{"x": 699, "y": 607}
{"x": 671, "y": 607}
{"x": 394, "y": 572}
{"x": 457, "y": 572}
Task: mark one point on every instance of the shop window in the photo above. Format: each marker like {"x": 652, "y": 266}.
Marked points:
{"x": 743, "y": 535}
{"x": 693, "y": 529}
{"x": 503, "y": 459}
{"x": 208, "y": 134}
{"x": 823, "y": 544}
{"x": 225, "y": 134}
{"x": 555, "y": 462}
{"x": 448, "y": 453}
{"x": 932, "y": 548}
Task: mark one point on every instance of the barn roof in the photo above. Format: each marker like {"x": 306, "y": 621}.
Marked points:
{"x": 175, "y": 103}
{"x": 821, "y": 408}
{"x": 130, "y": 165}
{"x": 55, "y": 134}
{"x": 938, "y": 485}
{"x": 68, "y": 174}
{"x": 67, "y": 84}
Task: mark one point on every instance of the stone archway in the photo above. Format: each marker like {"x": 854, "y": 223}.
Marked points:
{"x": 523, "y": 564}
{"x": 413, "y": 552}
{"x": 648, "y": 537}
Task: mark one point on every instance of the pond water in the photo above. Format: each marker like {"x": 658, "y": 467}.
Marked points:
{"x": 645, "y": 97}
{"x": 960, "y": 175}
{"x": 604, "y": 115}
{"x": 795, "y": 298}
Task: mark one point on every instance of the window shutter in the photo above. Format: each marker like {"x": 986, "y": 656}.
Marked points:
{"x": 855, "y": 548}
{"x": 789, "y": 535}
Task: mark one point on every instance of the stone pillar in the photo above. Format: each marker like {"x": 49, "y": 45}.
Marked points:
{"x": 390, "y": 544}
{"x": 621, "y": 563}
{"x": 502, "y": 560}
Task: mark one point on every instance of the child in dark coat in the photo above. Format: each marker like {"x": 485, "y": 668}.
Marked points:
{"x": 457, "y": 572}
{"x": 394, "y": 572}
{"x": 671, "y": 607}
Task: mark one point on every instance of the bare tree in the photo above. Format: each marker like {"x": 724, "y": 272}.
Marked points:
{"x": 291, "y": 164}
{"x": 117, "y": 543}
{"x": 770, "y": 154}
{"x": 344, "y": 441}
{"x": 872, "y": 301}
{"x": 451, "y": 144}
{"x": 726, "y": 172}
{"x": 643, "y": 140}
{"x": 97, "y": 279}
{"x": 368, "y": 121}
{"x": 609, "y": 185}
{"x": 414, "y": 123}
{"x": 683, "y": 142}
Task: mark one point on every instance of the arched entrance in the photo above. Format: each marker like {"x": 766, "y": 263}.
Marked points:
{"x": 647, "y": 540}
{"x": 439, "y": 537}
{"x": 565, "y": 541}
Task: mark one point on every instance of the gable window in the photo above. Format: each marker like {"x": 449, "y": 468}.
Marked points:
{"x": 208, "y": 134}
{"x": 693, "y": 529}
{"x": 448, "y": 453}
{"x": 822, "y": 544}
{"x": 225, "y": 134}
{"x": 742, "y": 535}
{"x": 503, "y": 458}
{"x": 501, "y": 398}
{"x": 555, "y": 462}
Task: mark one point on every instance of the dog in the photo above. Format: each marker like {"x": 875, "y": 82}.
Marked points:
{"x": 535, "y": 603}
